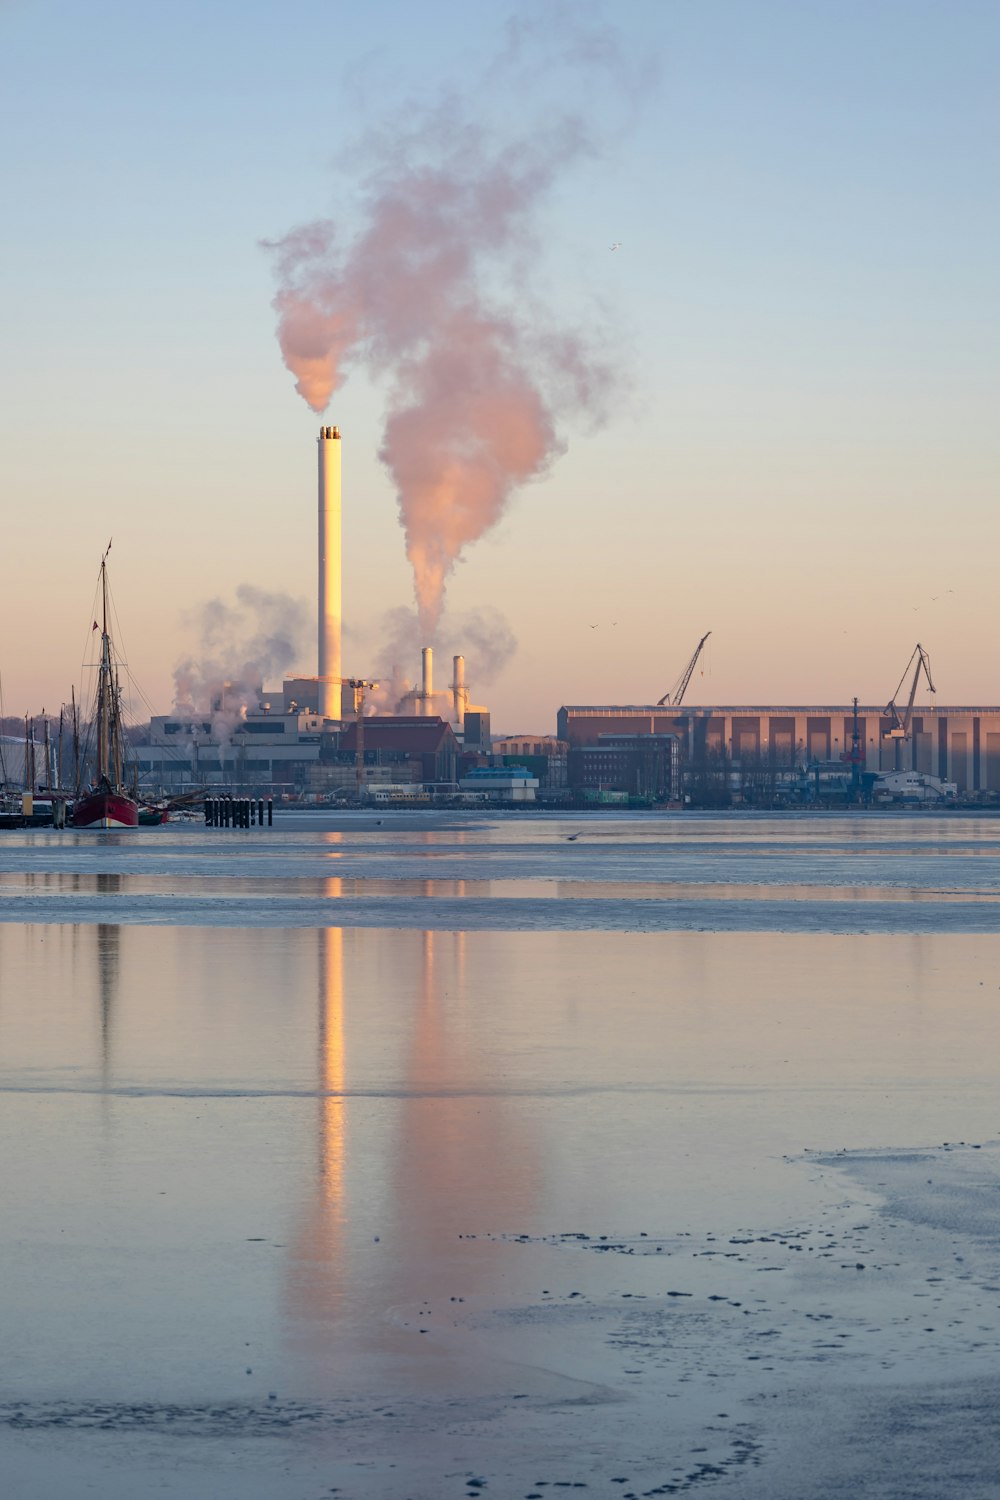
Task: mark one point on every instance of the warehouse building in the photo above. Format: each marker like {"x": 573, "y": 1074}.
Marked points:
{"x": 956, "y": 744}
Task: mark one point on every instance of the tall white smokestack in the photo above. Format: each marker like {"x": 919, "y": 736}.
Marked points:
{"x": 427, "y": 692}
{"x": 328, "y": 666}
{"x": 459, "y": 695}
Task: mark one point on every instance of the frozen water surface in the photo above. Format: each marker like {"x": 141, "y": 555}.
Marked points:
{"x": 836, "y": 874}
{"x": 438, "y": 1156}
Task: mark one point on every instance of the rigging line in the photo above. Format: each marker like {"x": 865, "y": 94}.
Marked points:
{"x": 133, "y": 681}
{"x": 122, "y": 654}
{"x": 138, "y": 688}
{"x": 87, "y": 668}
{"x": 3, "y": 763}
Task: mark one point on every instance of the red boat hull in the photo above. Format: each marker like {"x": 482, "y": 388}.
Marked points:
{"x": 105, "y": 810}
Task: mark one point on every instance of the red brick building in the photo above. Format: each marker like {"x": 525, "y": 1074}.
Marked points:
{"x": 417, "y": 749}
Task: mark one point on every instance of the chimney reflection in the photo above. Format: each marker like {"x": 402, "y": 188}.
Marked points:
{"x": 464, "y": 1161}
{"x": 317, "y": 1274}
{"x": 331, "y": 1065}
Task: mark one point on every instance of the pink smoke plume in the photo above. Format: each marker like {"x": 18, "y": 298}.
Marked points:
{"x": 433, "y": 295}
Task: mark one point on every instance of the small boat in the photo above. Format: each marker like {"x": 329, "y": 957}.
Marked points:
{"x": 107, "y": 804}
{"x": 152, "y": 817}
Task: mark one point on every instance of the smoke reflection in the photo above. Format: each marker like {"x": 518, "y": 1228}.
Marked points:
{"x": 381, "y": 1232}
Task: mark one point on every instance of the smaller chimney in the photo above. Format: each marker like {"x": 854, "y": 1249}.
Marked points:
{"x": 459, "y": 693}
{"x": 427, "y": 691}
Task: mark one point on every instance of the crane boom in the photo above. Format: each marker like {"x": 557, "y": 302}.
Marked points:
{"x": 675, "y": 697}
{"x": 900, "y": 727}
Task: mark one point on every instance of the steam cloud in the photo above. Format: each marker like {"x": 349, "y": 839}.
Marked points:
{"x": 434, "y": 296}
{"x": 239, "y": 647}
{"x": 482, "y": 636}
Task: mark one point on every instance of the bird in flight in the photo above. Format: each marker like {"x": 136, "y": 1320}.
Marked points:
{"x": 617, "y": 245}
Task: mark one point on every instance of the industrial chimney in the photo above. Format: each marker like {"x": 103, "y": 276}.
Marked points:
{"x": 329, "y": 668}
{"x": 427, "y": 689}
{"x": 459, "y": 692}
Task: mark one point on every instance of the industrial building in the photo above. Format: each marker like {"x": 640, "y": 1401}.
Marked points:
{"x": 543, "y": 755}
{"x": 298, "y": 751}
{"x": 500, "y": 783}
{"x": 416, "y": 749}
{"x": 959, "y": 744}
{"x": 261, "y": 749}
{"x": 646, "y": 767}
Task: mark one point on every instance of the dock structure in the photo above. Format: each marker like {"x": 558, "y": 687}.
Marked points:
{"x": 239, "y": 812}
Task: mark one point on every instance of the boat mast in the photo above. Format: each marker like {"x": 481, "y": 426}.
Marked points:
{"x": 116, "y": 727}
{"x": 59, "y": 750}
{"x": 104, "y": 685}
{"x": 76, "y": 741}
{"x": 29, "y": 755}
{"x": 47, "y": 741}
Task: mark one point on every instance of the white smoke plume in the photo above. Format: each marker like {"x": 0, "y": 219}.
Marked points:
{"x": 240, "y": 646}
{"x": 434, "y": 294}
{"x": 482, "y": 636}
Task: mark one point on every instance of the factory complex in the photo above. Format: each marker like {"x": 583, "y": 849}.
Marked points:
{"x": 332, "y": 737}
{"x": 285, "y": 745}
{"x": 764, "y": 755}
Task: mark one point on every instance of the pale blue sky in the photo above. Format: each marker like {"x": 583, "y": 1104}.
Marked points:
{"x": 805, "y": 303}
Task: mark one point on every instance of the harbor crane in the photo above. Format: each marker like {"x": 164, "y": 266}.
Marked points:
{"x": 899, "y": 728}
{"x": 675, "y": 697}
{"x": 360, "y": 686}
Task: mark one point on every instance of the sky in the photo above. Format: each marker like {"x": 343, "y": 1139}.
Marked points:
{"x": 795, "y": 448}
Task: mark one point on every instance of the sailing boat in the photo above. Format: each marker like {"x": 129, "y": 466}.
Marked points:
{"x": 107, "y": 804}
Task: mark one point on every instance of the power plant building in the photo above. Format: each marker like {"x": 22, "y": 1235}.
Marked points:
{"x": 262, "y": 749}
{"x": 957, "y": 744}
